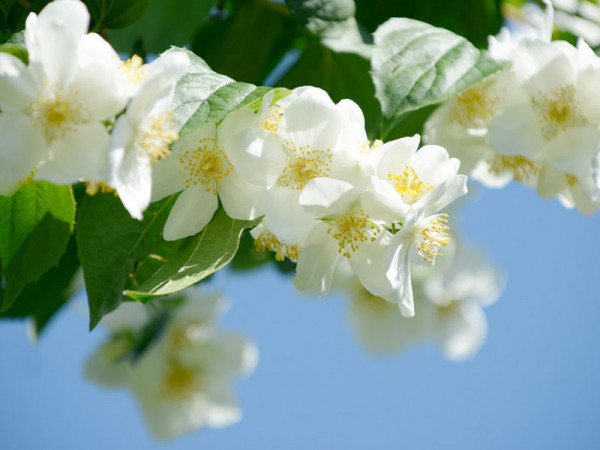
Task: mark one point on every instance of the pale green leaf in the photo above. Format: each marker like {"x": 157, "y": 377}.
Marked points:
{"x": 415, "y": 64}
{"x": 197, "y": 258}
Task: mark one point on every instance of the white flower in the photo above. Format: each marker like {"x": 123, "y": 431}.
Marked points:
{"x": 342, "y": 230}
{"x": 558, "y": 122}
{"x": 52, "y": 109}
{"x": 449, "y": 302}
{"x": 143, "y": 134}
{"x": 181, "y": 391}
{"x": 182, "y": 379}
{"x": 294, "y": 146}
{"x": 200, "y": 168}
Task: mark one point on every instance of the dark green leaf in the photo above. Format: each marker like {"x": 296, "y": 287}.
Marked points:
{"x": 415, "y": 65}
{"x": 41, "y": 300}
{"x": 110, "y": 242}
{"x": 342, "y": 75}
{"x": 165, "y": 23}
{"x": 197, "y": 258}
{"x": 223, "y": 42}
{"x": 35, "y": 225}
{"x": 472, "y": 19}
{"x": 115, "y": 13}
{"x": 6, "y": 5}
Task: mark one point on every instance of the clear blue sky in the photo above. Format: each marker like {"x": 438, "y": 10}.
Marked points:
{"x": 534, "y": 385}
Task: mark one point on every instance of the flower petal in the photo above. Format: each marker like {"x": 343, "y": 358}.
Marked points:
{"x": 192, "y": 210}
{"x": 241, "y": 200}
{"x": 17, "y": 87}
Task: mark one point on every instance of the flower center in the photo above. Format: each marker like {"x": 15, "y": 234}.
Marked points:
{"x": 271, "y": 124}
{"x": 351, "y": 230}
{"x": 180, "y": 381}
{"x": 185, "y": 335}
{"x": 572, "y": 180}
{"x": 305, "y": 165}
{"x": 449, "y": 310}
{"x": 58, "y": 111}
{"x": 133, "y": 70}
{"x": 156, "y": 135}
{"x": 207, "y": 164}
{"x": 520, "y": 167}
{"x": 408, "y": 185}
{"x": 558, "y": 111}
{"x": 268, "y": 242}
{"x": 475, "y": 107}
{"x": 431, "y": 236}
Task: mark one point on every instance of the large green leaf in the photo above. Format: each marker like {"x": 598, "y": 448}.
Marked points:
{"x": 115, "y": 13}
{"x": 35, "y": 225}
{"x": 165, "y": 23}
{"x": 111, "y": 246}
{"x": 39, "y": 301}
{"x": 415, "y": 64}
{"x": 223, "y": 40}
{"x": 198, "y": 257}
{"x": 203, "y": 96}
{"x": 342, "y": 75}
{"x": 472, "y": 19}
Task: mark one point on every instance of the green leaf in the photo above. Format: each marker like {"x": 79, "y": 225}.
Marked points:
{"x": 221, "y": 41}
{"x": 165, "y": 23}
{"x": 203, "y": 96}
{"x": 6, "y": 5}
{"x": 472, "y": 19}
{"x": 35, "y": 226}
{"x": 115, "y": 13}
{"x": 110, "y": 243}
{"x": 415, "y": 65}
{"x": 342, "y": 75}
{"x": 16, "y": 50}
{"x": 330, "y": 10}
{"x": 198, "y": 257}
{"x": 41, "y": 300}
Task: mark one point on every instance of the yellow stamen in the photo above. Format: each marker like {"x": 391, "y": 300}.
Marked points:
{"x": 156, "y": 135}
{"x": 408, "y": 185}
{"x": 520, "y": 167}
{"x": 430, "y": 237}
{"x": 268, "y": 242}
{"x": 474, "y": 107}
{"x": 207, "y": 164}
{"x": 133, "y": 70}
{"x": 558, "y": 111}
{"x": 351, "y": 230}
{"x": 58, "y": 111}
{"x": 180, "y": 381}
{"x": 304, "y": 165}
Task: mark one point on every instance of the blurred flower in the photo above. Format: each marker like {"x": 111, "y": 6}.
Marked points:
{"x": 182, "y": 377}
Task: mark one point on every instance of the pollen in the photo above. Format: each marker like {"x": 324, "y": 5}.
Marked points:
{"x": 558, "y": 111}
{"x": 352, "y": 230}
{"x": 268, "y": 242}
{"x": 520, "y": 167}
{"x": 180, "y": 381}
{"x": 474, "y": 107}
{"x": 408, "y": 185}
{"x": 156, "y": 135}
{"x": 271, "y": 124}
{"x": 93, "y": 187}
{"x": 430, "y": 237}
{"x": 572, "y": 180}
{"x": 207, "y": 165}
{"x": 58, "y": 111}
{"x": 133, "y": 70}
{"x": 304, "y": 165}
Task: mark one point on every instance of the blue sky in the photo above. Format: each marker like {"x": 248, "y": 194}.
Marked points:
{"x": 533, "y": 385}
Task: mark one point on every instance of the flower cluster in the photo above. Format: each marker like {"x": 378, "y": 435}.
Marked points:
{"x": 449, "y": 296}
{"x": 538, "y": 122}
{"x": 77, "y": 112}
{"x": 182, "y": 380}
{"x": 327, "y": 195}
